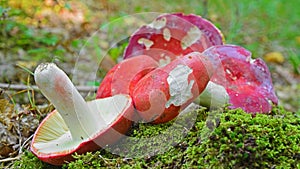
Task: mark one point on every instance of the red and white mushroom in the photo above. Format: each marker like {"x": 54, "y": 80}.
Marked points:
{"x": 163, "y": 72}
{"x": 173, "y": 35}
{"x": 164, "y": 92}
{"x": 76, "y": 125}
{"x": 245, "y": 82}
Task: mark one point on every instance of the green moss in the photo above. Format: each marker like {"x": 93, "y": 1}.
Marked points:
{"x": 232, "y": 139}
{"x": 242, "y": 141}
{"x": 30, "y": 161}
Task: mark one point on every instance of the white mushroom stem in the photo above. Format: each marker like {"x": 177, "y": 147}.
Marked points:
{"x": 60, "y": 91}
{"x": 214, "y": 96}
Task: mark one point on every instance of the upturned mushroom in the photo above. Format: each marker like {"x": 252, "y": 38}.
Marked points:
{"x": 171, "y": 36}
{"x": 161, "y": 94}
{"x": 76, "y": 125}
{"x": 239, "y": 80}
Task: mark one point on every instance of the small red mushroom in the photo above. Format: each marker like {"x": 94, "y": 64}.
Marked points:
{"x": 122, "y": 78}
{"x": 173, "y": 35}
{"x": 246, "y": 82}
{"x": 76, "y": 125}
{"x": 164, "y": 92}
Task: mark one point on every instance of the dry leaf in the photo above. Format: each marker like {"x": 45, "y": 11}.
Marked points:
{"x": 6, "y": 113}
{"x": 274, "y": 57}
{"x": 298, "y": 40}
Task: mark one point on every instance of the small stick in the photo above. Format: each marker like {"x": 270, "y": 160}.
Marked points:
{"x": 10, "y": 159}
{"x": 7, "y": 86}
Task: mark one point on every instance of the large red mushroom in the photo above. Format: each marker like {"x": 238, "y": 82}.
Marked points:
{"x": 76, "y": 126}
{"x": 164, "y": 92}
{"x": 242, "y": 81}
{"x": 171, "y": 36}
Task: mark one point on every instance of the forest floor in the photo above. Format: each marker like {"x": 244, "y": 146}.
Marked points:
{"x": 75, "y": 35}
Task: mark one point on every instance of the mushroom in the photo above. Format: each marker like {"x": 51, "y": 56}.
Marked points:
{"x": 244, "y": 82}
{"x": 173, "y": 35}
{"x": 161, "y": 94}
{"x": 76, "y": 125}
{"x": 122, "y": 78}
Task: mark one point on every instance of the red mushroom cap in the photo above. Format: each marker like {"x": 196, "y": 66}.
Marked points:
{"x": 161, "y": 94}
{"x": 173, "y": 35}
{"x": 122, "y": 78}
{"x": 247, "y": 81}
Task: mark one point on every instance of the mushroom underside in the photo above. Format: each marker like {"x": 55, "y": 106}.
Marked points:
{"x": 53, "y": 136}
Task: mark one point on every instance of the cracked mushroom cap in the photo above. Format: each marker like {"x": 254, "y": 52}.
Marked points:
{"x": 164, "y": 92}
{"x": 247, "y": 81}
{"x": 173, "y": 35}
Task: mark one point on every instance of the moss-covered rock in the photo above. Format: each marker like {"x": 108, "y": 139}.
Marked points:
{"x": 232, "y": 139}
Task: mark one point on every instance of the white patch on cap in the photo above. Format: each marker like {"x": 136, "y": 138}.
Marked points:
{"x": 179, "y": 87}
{"x": 148, "y": 43}
{"x": 167, "y": 34}
{"x": 166, "y": 60}
{"x": 191, "y": 37}
{"x": 158, "y": 23}
{"x": 230, "y": 74}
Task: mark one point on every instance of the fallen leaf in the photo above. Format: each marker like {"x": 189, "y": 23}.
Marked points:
{"x": 5, "y": 150}
{"x": 298, "y": 40}
{"x": 274, "y": 57}
{"x": 6, "y": 113}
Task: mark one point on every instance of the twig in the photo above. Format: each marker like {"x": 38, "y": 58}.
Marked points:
{"x": 24, "y": 144}
{"x": 9, "y": 159}
{"x": 33, "y": 87}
